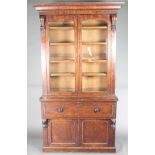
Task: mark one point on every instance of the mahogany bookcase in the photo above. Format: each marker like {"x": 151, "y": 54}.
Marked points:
{"x": 78, "y": 45}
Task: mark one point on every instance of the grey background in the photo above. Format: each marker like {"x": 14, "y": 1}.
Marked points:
{"x": 34, "y": 82}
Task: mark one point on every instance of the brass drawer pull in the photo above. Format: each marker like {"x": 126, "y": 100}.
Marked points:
{"x": 60, "y": 109}
{"x": 97, "y": 109}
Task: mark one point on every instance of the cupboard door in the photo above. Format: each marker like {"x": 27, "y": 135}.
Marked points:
{"x": 94, "y": 42}
{"x": 94, "y": 132}
{"x": 62, "y": 132}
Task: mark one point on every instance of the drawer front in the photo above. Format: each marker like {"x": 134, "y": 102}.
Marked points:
{"x": 104, "y": 110}
{"x": 55, "y": 110}
{"x": 79, "y": 110}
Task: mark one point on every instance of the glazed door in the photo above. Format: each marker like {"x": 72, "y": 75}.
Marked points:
{"x": 94, "y": 42}
{"x": 79, "y": 55}
{"x": 62, "y": 56}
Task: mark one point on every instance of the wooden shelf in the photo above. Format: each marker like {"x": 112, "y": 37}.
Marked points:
{"x": 62, "y": 90}
{"x": 62, "y": 74}
{"x": 93, "y": 60}
{"x": 94, "y": 43}
{"x": 94, "y": 74}
{"x": 94, "y": 89}
{"x": 60, "y": 44}
{"x": 60, "y": 27}
{"x": 94, "y": 27}
{"x": 65, "y": 60}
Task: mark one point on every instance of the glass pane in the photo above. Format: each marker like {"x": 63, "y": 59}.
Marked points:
{"x": 61, "y": 56}
{"x": 62, "y": 67}
{"x": 62, "y": 52}
{"x": 94, "y": 67}
{"x": 94, "y": 22}
{"x": 61, "y": 35}
{"x": 94, "y": 84}
{"x": 62, "y": 84}
{"x": 94, "y": 55}
{"x": 94, "y": 52}
{"x": 97, "y": 35}
{"x": 63, "y": 23}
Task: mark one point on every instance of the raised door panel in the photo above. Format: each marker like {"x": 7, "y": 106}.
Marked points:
{"x": 62, "y": 132}
{"x": 94, "y": 132}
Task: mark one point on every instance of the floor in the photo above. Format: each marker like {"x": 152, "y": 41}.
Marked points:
{"x": 35, "y": 143}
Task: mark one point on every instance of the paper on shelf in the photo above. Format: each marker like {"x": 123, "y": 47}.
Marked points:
{"x": 89, "y": 51}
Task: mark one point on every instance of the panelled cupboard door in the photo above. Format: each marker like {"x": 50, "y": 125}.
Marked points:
{"x": 62, "y": 132}
{"x": 97, "y": 133}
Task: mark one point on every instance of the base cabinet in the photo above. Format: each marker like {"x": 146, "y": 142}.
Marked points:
{"x": 81, "y": 126}
{"x": 80, "y": 134}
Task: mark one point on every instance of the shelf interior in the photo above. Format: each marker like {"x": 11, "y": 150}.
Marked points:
{"x": 61, "y": 23}
{"x": 94, "y": 51}
{"x": 94, "y": 36}
{"x": 94, "y": 67}
{"x": 63, "y": 55}
{"x": 94, "y": 55}
{"x": 62, "y": 83}
{"x": 61, "y": 35}
{"x": 62, "y": 67}
{"x": 62, "y": 52}
{"x": 93, "y": 84}
{"x": 94, "y": 22}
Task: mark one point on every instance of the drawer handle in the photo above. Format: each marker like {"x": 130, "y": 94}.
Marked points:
{"x": 97, "y": 109}
{"x": 60, "y": 109}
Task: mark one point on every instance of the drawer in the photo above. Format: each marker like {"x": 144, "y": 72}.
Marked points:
{"x": 79, "y": 109}
{"x": 104, "y": 110}
{"x": 56, "y": 110}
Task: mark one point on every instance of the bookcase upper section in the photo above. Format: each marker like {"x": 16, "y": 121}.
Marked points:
{"x": 78, "y": 47}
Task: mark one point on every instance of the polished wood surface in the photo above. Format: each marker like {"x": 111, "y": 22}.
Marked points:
{"x": 62, "y": 132}
{"x": 80, "y": 118}
{"x": 79, "y": 110}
